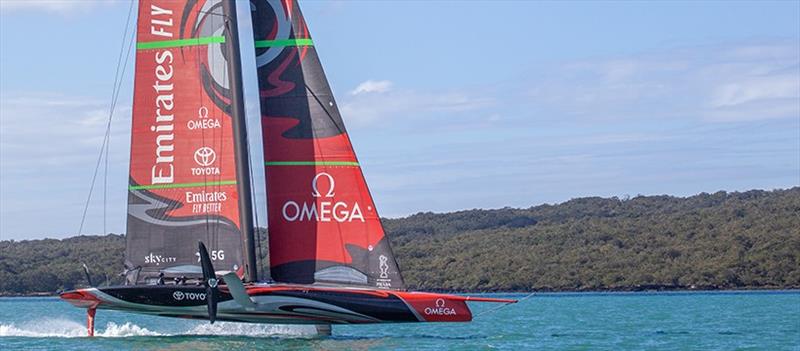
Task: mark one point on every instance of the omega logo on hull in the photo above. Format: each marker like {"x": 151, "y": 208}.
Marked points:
{"x": 440, "y": 309}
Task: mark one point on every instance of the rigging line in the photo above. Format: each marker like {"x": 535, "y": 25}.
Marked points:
{"x": 114, "y": 96}
{"x": 105, "y": 187}
{"x": 503, "y": 306}
{"x": 118, "y": 75}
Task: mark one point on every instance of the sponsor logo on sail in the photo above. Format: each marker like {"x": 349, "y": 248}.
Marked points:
{"x": 205, "y": 158}
{"x": 440, "y": 309}
{"x": 206, "y": 201}
{"x": 203, "y": 121}
{"x": 322, "y": 208}
{"x": 190, "y": 296}
{"x": 384, "y": 266}
{"x": 383, "y": 280}
{"x": 158, "y": 259}
{"x": 162, "y": 171}
{"x": 202, "y": 201}
{"x": 215, "y": 255}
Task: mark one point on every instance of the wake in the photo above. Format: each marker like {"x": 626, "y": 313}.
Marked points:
{"x": 66, "y": 328}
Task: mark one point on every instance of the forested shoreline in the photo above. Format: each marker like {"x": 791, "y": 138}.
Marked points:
{"x": 736, "y": 240}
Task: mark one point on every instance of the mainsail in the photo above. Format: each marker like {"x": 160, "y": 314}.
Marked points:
{"x": 182, "y": 173}
{"x": 323, "y": 225}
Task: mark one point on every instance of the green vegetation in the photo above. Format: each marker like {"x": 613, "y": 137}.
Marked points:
{"x": 708, "y": 241}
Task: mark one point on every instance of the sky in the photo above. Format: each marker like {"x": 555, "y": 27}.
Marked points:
{"x": 450, "y": 105}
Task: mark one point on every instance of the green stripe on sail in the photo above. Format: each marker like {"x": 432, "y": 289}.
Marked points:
{"x": 181, "y": 185}
{"x": 311, "y": 163}
{"x": 179, "y": 42}
{"x": 284, "y": 42}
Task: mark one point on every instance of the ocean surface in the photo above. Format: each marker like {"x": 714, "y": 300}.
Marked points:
{"x": 767, "y": 320}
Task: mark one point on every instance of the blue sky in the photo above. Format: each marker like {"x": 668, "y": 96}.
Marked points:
{"x": 450, "y": 105}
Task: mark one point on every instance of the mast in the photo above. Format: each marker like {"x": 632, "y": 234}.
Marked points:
{"x": 240, "y": 140}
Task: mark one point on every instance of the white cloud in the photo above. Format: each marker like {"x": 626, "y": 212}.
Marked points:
{"x": 409, "y": 104}
{"x": 372, "y": 86}
{"x": 749, "y": 89}
{"x": 46, "y": 5}
{"x": 54, "y": 129}
{"x": 714, "y": 83}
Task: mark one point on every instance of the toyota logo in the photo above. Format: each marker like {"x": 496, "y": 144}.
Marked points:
{"x": 205, "y": 156}
{"x": 178, "y": 295}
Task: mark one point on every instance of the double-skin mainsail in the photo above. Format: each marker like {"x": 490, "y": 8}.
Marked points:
{"x": 323, "y": 224}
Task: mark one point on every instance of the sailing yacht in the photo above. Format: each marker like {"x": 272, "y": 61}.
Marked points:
{"x": 191, "y": 223}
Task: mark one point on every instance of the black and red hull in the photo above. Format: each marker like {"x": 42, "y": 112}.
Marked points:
{"x": 282, "y": 304}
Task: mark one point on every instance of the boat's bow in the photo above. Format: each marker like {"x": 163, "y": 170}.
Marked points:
{"x": 83, "y": 298}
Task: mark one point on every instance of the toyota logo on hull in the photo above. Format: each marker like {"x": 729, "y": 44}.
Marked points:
{"x": 191, "y": 296}
{"x": 325, "y": 209}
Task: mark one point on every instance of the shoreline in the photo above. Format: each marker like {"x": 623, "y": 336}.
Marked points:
{"x": 543, "y": 291}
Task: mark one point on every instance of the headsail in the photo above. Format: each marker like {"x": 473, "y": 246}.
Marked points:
{"x": 323, "y": 225}
{"x": 182, "y": 175}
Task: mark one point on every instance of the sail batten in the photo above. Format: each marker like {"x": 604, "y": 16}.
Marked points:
{"x": 158, "y": 44}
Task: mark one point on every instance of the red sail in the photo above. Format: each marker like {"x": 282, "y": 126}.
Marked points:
{"x": 323, "y": 225}
{"x": 182, "y": 173}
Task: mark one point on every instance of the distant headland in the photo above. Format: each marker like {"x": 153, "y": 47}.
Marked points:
{"x": 724, "y": 240}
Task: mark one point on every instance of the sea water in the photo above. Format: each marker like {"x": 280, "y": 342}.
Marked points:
{"x": 766, "y": 320}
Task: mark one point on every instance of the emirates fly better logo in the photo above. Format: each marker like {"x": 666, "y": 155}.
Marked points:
{"x": 323, "y": 207}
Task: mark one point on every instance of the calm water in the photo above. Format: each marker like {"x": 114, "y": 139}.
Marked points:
{"x": 580, "y": 321}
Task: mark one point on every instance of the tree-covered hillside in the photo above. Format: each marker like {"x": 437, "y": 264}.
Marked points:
{"x": 720, "y": 240}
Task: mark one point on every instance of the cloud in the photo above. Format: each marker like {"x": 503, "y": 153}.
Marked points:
{"x": 407, "y": 104}
{"x": 723, "y": 83}
{"x": 372, "y": 86}
{"x": 749, "y": 89}
{"x": 47, "y": 5}
{"x": 62, "y": 134}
